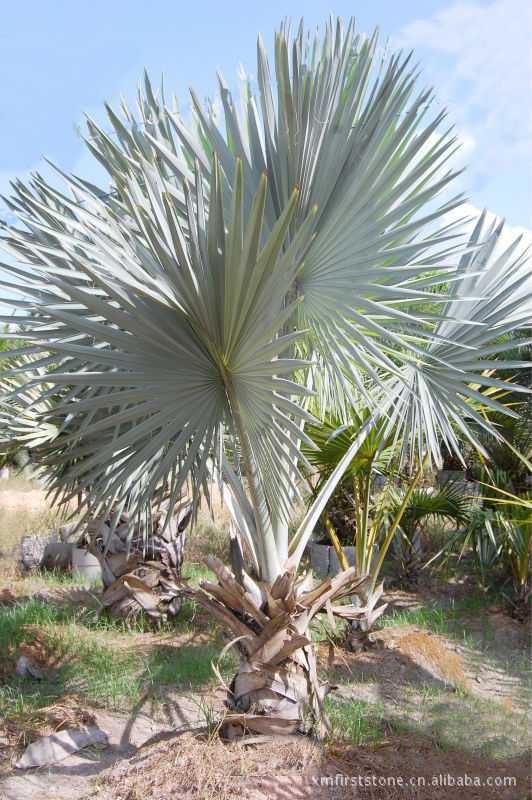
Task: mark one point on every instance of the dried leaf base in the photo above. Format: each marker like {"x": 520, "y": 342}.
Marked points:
{"x": 137, "y": 582}
{"x": 276, "y": 690}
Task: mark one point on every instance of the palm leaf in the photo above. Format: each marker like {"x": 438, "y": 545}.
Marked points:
{"x": 434, "y": 393}
{"x": 169, "y": 310}
{"x": 134, "y": 316}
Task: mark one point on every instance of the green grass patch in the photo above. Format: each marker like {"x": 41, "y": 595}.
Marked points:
{"x": 433, "y": 618}
{"x": 194, "y": 571}
{"x": 35, "y": 611}
{"x": 355, "y": 721}
{"x": 55, "y": 577}
{"x": 79, "y": 660}
{"x": 187, "y": 667}
{"x": 451, "y": 620}
{"x": 322, "y": 629}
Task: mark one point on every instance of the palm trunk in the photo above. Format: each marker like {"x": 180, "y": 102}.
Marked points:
{"x": 276, "y": 689}
{"x": 133, "y": 577}
{"x": 268, "y": 556}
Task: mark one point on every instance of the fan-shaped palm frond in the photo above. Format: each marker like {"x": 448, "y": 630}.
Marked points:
{"x": 435, "y": 392}
{"x": 163, "y": 339}
{"x": 169, "y": 306}
{"x": 447, "y": 503}
{"x": 26, "y": 407}
{"x": 333, "y": 438}
{"x": 358, "y": 147}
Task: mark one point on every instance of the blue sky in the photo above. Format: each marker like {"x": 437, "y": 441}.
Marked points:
{"x": 59, "y": 58}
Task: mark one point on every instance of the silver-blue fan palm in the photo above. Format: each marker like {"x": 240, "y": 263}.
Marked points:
{"x": 185, "y": 318}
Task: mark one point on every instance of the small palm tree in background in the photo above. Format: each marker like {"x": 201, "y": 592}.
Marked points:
{"x": 370, "y": 514}
{"x": 499, "y": 534}
{"x": 234, "y": 269}
{"x": 446, "y": 504}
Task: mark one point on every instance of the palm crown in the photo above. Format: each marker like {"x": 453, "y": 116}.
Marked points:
{"x": 186, "y": 317}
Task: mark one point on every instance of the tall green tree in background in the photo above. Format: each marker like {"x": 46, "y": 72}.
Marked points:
{"x": 238, "y": 266}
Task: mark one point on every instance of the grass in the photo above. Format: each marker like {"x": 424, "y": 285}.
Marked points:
{"x": 83, "y": 656}
{"x": 208, "y": 535}
{"x": 17, "y": 482}
{"x": 449, "y": 620}
{"x": 87, "y": 654}
{"x": 355, "y": 721}
{"x": 194, "y": 571}
{"x": 56, "y": 577}
{"x": 447, "y": 718}
{"x": 322, "y": 629}
{"x": 454, "y": 621}
{"x": 97, "y": 660}
{"x": 187, "y": 667}
{"x": 468, "y": 722}
{"x": 16, "y": 522}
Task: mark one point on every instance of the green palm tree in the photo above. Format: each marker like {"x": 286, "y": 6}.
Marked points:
{"x": 447, "y": 504}
{"x": 191, "y": 312}
{"x": 352, "y": 498}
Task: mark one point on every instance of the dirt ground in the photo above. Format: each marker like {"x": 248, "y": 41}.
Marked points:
{"x": 440, "y": 707}
{"x": 451, "y": 715}
{"x": 33, "y": 500}
{"x": 145, "y": 760}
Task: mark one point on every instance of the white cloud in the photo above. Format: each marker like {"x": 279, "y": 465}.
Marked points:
{"x": 481, "y": 69}
{"x": 469, "y": 215}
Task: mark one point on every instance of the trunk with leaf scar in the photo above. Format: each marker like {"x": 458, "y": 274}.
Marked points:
{"x": 276, "y": 690}
{"x": 133, "y": 574}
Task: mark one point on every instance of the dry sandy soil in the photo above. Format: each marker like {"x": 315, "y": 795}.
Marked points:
{"x": 32, "y": 500}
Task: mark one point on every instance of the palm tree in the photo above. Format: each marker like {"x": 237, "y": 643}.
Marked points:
{"x": 191, "y": 312}
{"x": 447, "y": 504}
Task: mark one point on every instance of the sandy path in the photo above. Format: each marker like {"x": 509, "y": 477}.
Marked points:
{"x": 31, "y": 500}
